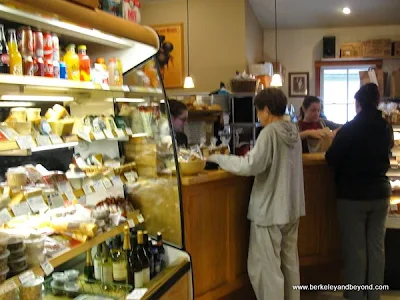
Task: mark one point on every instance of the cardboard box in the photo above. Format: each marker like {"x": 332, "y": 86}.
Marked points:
{"x": 377, "y": 48}
{"x": 396, "y": 49}
{"x": 88, "y": 3}
{"x": 350, "y": 50}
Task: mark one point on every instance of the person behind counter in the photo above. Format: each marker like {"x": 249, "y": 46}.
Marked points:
{"x": 276, "y": 201}
{"x": 360, "y": 157}
{"x": 311, "y": 124}
{"x": 179, "y": 117}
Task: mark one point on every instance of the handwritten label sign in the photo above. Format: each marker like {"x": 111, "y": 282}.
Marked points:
{"x": 107, "y": 183}
{"x": 131, "y": 223}
{"x": 56, "y": 140}
{"x": 140, "y": 218}
{"x": 128, "y": 131}
{"x": 98, "y": 186}
{"x": 117, "y": 181}
{"x": 36, "y": 203}
{"x": 120, "y": 133}
{"x": 43, "y": 140}
{"x": 21, "y": 209}
{"x": 109, "y": 134}
{"x": 98, "y": 135}
{"x": 5, "y": 216}
{"x": 131, "y": 176}
{"x": 87, "y": 189}
{"x": 84, "y": 136}
{"x": 55, "y": 200}
{"x": 26, "y": 277}
{"x": 25, "y": 142}
{"x": 47, "y": 267}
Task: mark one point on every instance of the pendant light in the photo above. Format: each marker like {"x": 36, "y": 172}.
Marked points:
{"x": 188, "y": 84}
{"x": 276, "y": 80}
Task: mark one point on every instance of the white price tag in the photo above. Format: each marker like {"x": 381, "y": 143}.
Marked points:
{"x": 393, "y": 207}
{"x": 107, "y": 183}
{"x": 117, "y": 181}
{"x": 109, "y": 134}
{"x": 7, "y": 286}
{"x": 84, "y": 136}
{"x": 128, "y": 131}
{"x": 36, "y": 203}
{"x": 21, "y": 209}
{"x": 125, "y": 88}
{"x": 26, "y": 277}
{"x": 55, "y": 200}
{"x": 140, "y": 218}
{"x": 47, "y": 267}
{"x": 131, "y": 176}
{"x": 56, "y": 140}
{"x": 25, "y": 142}
{"x": 98, "y": 186}
{"x": 120, "y": 133}
{"x": 137, "y": 294}
{"x": 43, "y": 140}
{"x": 131, "y": 223}
{"x": 5, "y": 216}
{"x": 87, "y": 189}
{"x": 105, "y": 87}
{"x": 98, "y": 135}
{"x": 70, "y": 195}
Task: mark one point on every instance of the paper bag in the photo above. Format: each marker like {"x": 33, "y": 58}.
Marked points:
{"x": 395, "y": 84}
{"x": 322, "y": 144}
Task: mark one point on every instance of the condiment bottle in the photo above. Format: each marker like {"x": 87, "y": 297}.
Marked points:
{"x": 102, "y": 62}
{"x": 15, "y": 56}
{"x": 71, "y": 59}
{"x": 84, "y": 63}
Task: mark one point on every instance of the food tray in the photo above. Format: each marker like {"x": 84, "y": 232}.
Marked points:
{"x": 92, "y": 288}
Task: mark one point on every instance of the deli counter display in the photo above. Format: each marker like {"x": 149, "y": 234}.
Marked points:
{"x": 86, "y": 148}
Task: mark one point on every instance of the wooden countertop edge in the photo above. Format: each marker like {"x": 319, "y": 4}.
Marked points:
{"x": 309, "y": 159}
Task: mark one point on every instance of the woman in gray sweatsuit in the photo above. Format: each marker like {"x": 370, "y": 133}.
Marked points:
{"x": 277, "y": 199}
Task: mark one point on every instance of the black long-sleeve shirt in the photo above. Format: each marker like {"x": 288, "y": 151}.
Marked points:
{"x": 360, "y": 156}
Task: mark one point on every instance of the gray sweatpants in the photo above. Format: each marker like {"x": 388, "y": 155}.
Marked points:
{"x": 273, "y": 261}
{"x": 362, "y": 231}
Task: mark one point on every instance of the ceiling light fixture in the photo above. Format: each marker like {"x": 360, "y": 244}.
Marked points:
{"x": 276, "y": 80}
{"x": 16, "y": 104}
{"x": 37, "y": 98}
{"x": 188, "y": 84}
{"x": 346, "y": 10}
{"x": 130, "y": 100}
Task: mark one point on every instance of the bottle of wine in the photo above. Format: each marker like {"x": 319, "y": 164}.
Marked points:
{"x": 97, "y": 262}
{"x": 147, "y": 247}
{"x": 135, "y": 263}
{"x": 89, "y": 268}
{"x": 161, "y": 251}
{"x": 106, "y": 268}
{"x": 143, "y": 258}
{"x": 119, "y": 260}
{"x": 156, "y": 257}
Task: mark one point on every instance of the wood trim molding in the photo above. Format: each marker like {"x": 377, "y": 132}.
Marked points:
{"x": 320, "y": 63}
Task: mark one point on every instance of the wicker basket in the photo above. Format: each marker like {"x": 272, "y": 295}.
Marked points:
{"x": 244, "y": 85}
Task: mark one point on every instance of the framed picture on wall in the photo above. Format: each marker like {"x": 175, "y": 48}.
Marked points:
{"x": 171, "y": 54}
{"x": 299, "y": 85}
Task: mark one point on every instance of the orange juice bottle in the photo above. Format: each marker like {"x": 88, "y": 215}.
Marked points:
{"x": 84, "y": 63}
{"x": 71, "y": 59}
{"x": 15, "y": 56}
{"x": 119, "y": 67}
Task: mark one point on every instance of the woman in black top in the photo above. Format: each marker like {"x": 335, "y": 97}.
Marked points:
{"x": 360, "y": 156}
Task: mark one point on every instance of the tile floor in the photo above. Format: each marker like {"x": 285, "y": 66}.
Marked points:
{"x": 390, "y": 295}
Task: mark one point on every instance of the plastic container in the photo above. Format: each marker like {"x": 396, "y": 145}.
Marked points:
{"x": 71, "y": 289}
{"x": 72, "y": 275}
{"x": 18, "y": 271}
{"x": 17, "y": 264}
{"x": 19, "y": 114}
{"x": 17, "y": 253}
{"x": 33, "y": 114}
{"x": 57, "y": 290}
{"x": 3, "y": 242}
{"x": 35, "y": 244}
{"x": 15, "y": 244}
{"x": 84, "y": 63}
{"x": 4, "y": 260}
{"x": 35, "y": 260}
{"x": 3, "y": 275}
{"x": 32, "y": 290}
{"x": 71, "y": 59}
{"x": 59, "y": 279}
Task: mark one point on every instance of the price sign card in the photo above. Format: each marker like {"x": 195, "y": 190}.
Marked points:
{"x": 56, "y": 140}
{"x": 36, "y": 203}
{"x": 55, "y": 200}
{"x": 43, "y": 140}
{"x": 98, "y": 135}
{"x": 21, "y": 209}
{"x": 25, "y": 142}
{"x": 128, "y": 131}
{"x": 84, "y": 136}
{"x": 47, "y": 267}
{"x": 117, "y": 181}
{"x": 105, "y": 87}
{"x": 108, "y": 134}
{"x": 26, "y": 277}
{"x": 98, "y": 186}
{"x": 82, "y": 200}
{"x": 5, "y": 216}
{"x": 131, "y": 223}
{"x": 107, "y": 183}
{"x": 140, "y": 218}
{"x": 131, "y": 176}
{"x": 125, "y": 88}
{"x": 87, "y": 189}
{"x": 120, "y": 133}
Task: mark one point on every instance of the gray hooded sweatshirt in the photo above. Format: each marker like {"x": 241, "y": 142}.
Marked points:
{"x": 277, "y": 197}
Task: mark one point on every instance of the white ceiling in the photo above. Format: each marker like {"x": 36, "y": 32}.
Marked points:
{"x": 326, "y": 13}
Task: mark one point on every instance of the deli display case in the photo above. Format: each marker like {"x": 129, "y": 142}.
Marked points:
{"x": 90, "y": 200}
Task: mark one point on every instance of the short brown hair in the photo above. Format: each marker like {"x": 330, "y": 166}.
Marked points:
{"x": 272, "y": 98}
{"x": 176, "y": 107}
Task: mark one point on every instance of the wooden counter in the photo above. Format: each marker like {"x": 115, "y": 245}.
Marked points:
{"x": 216, "y": 229}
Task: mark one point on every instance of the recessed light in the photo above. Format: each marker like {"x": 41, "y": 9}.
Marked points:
{"x": 346, "y": 10}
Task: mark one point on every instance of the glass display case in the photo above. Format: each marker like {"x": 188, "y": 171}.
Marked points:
{"x": 87, "y": 160}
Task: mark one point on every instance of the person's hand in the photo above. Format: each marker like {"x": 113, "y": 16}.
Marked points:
{"x": 317, "y": 134}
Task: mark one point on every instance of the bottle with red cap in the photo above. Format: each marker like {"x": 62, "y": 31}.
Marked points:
{"x": 4, "y": 56}
{"x": 47, "y": 46}
{"x": 84, "y": 63}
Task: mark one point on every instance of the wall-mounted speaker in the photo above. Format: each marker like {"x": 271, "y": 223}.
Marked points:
{"x": 329, "y": 46}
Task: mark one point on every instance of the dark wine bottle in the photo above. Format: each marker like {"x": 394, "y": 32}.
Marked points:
{"x": 89, "y": 268}
{"x": 144, "y": 260}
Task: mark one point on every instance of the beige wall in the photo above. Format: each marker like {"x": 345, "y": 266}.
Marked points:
{"x": 254, "y": 37}
{"x": 298, "y": 49}
{"x": 217, "y": 37}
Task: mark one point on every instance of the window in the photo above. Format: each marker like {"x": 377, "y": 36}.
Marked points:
{"x": 338, "y": 87}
